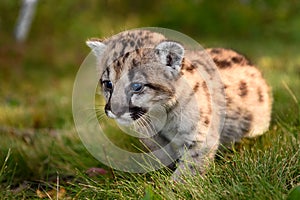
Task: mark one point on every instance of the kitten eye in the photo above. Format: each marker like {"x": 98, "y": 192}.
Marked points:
{"x": 136, "y": 87}
{"x": 107, "y": 85}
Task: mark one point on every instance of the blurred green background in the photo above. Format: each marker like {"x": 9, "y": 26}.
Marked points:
{"x": 36, "y": 76}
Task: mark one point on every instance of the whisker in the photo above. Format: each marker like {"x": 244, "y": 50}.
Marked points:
{"x": 146, "y": 120}
{"x": 98, "y": 110}
{"x": 142, "y": 125}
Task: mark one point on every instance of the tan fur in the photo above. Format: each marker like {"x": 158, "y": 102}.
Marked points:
{"x": 257, "y": 99}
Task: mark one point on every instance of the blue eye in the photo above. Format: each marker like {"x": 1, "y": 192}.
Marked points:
{"x": 107, "y": 85}
{"x": 136, "y": 87}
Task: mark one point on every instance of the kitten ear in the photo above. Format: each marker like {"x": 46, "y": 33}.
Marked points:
{"x": 97, "y": 47}
{"x": 170, "y": 54}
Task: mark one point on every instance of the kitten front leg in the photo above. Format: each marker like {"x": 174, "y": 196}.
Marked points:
{"x": 194, "y": 160}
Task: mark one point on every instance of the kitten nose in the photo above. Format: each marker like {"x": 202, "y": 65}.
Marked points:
{"x": 116, "y": 109}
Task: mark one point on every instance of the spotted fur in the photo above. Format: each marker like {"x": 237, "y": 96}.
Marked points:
{"x": 139, "y": 70}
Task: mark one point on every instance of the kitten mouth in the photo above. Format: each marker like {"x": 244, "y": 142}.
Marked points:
{"x": 124, "y": 121}
{"x": 137, "y": 112}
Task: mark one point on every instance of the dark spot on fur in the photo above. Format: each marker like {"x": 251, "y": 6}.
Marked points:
{"x": 196, "y": 87}
{"x": 139, "y": 42}
{"x": 205, "y": 88}
{"x": 207, "y": 94}
{"x": 241, "y": 60}
{"x": 134, "y": 62}
{"x": 125, "y": 57}
{"x": 118, "y": 64}
{"x": 222, "y": 63}
{"x": 237, "y": 59}
{"x": 195, "y": 155}
{"x": 118, "y": 68}
{"x": 131, "y": 43}
{"x": 216, "y": 51}
{"x": 189, "y": 68}
{"x": 260, "y": 95}
{"x": 123, "y": 50}
{"x": 191, "y": 145}
{"x": 243, "y": 89}
{"x": 113, "y": 45}
{"x": 206, "y": 121}
{"x": 246, "y": 123}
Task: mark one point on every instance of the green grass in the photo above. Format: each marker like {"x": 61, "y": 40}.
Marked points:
{"x": 40, "y": 150}
{"x": 266, "y": 169}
